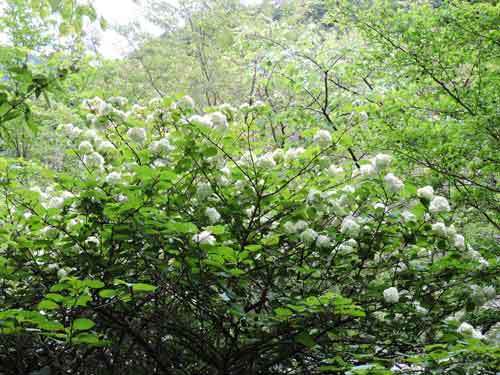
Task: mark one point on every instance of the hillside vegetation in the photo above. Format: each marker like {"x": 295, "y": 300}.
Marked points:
{"x": 290, "y": 187}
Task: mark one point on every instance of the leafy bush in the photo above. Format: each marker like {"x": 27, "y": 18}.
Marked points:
{"x": 188, "y": 243}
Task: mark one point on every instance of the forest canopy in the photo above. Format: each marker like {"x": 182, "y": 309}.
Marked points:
{"x": 273, "y": 187}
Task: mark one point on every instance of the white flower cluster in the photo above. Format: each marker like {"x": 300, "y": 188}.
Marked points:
{"x": 467, "y": 329}
{"x": 391, "y": 295}
{"x": 266, "y": 161}
{"x": 94, "y": 160}
{"x": 138, "y": 135}
{"x": 118, "y": 101}
{"x": 97, "y": 106}
{"x": 204, "y": 238}
{"x": 161, "y": 146}
{"x": 101, "y": 111}
{"x": 350, "y": 226}
{"x": 481, "y": 296}
{"x": 92, "y": 241}
{"x": 62, "y": 273}
{"x": 50, "y": 198}
{"x": 294, "y": 153}
{"x": 227, "y": 109}
{"x": 89, "y": 143}
{"x": 203, "y": 190}
{"x": 219, "y": 120}
{"x": 394, "y": 184}
{"x": 214, "y": 120}
{"x": 246, "y": 108}
{"x": 49, "y": 232}
{"x": 381, "y": 161}
{"x": 213, "y": 215}
{"x": 71, "y": 131}
{"x": 439, "y": 204}
{"x": 476, "y": 255}
{"x": 296, "y": 227}
{"x": 114, "y": 178}
{"x": 323, "y": 138}
{"x": 334, "y": 170}
{"x": 90, "y": 135}
{"x": 450, "y": 232}
{"x": 313, "y": 196}
{"x": 137, "y": 111}
{"x": 308, "y": 236}
{"x": 427, "y": 193}
{"x": 348, "y": 246}
{"x": 407, "y": 369}
{"x": 105, "y": 147}
{"x": 375, "y": 165}
{"x": 408, "y": 216}
{"x": 85, "y": 147}
{"x": 185, "y": 103}
{"x": 323, "y": 241}
{"x": 367, "y": 170}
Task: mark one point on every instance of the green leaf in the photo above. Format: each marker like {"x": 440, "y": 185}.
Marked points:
{"x": 305, "y": 339}
{"x": 89, "y": 339}
{"x": 210, "y": 151}
{"x": 55, "y": 297}
{"x": 83, "y": 300}
{"x": 418, "y": 211}
{"x": 253, "y": 247}
{"x": 47, "y": 305}
{"x": 107, "y": 293}
{"x": 409, "y": 190}
{"x": 283, "y": 312}
{"x": 51, "y": 326}
{"x": 183, "y": 228}
{"x": 93, "y": 284}
{"x": 225, "y": 252}
{"x": 145, "y": 288}
{"x": 82, "y": 324}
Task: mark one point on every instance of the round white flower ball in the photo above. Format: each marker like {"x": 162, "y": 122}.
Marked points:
{"x": 266, "y": 161}
{"x": 93, "y": 160}
{"x": 213, "y": 215}
{"x": 439, "y": 204}
{"x": 62, "y": 273}
{"x": 113, "y": 178}
{"x": 381, "y": 161}
{"x": 204, "y": 238}
{"x": 459, "y": 241}
{"x": 204, "y": 190}
{"x": 92, "y": 241}
{"x": 467, "y": 329}
{"x": 334, "y": 170}
{"x": 394, "y": 184}
{"x": 323, "y": 138}
{"x": 323, "y": 241}
{"x": 106, "y": 147}
{"x": 219, "y": 120}
{"x": 300, "y": 226}
{"x": 205, "y": 121}
{"x": 186, "y": 102}
{"x": 427, "y": 192}
{"x": 308, "y": 236}
{"x": 161, "y": 146}
{"x": 367, "y": 170}
{"x": 85, "y": 147}
{"x": 137, "y": 135}
{"x": 391, "y": 295}
{"x": 440, "y": 229}
{"x": 350, "y": 226}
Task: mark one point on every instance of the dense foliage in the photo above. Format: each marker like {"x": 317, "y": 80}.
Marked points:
{"x": 339, "y": 217}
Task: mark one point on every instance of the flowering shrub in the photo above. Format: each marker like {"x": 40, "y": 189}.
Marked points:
{"x": 189, "y": 243}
